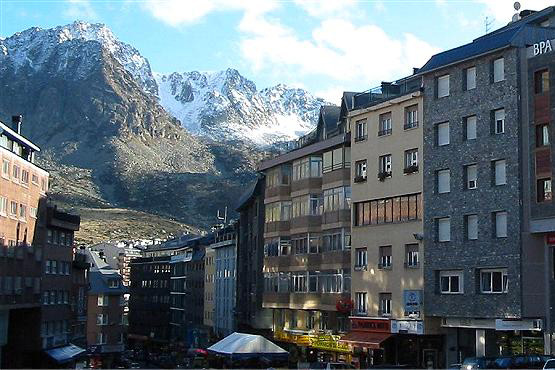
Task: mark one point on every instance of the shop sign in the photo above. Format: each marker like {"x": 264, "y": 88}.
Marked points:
{"x": 301, "y": 340}
{"x": 328, "y": 342}
{"x": 468, "y": 323}
{"x": 501, "y": 324}
{"x": 412, "y": 300}
{"x": 550, "y": 239}
{"x": 407, "y": 326}
{"x": 542, "y": 47}
{"x": 371, "y": 325}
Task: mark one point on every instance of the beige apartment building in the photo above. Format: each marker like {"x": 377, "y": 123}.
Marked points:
{"x": 307, "y": 241}
{"x": 209, "y": 275}
{"x": 387, "y": 233}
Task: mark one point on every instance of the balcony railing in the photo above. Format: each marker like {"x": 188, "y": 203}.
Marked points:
{"x": 361, "y": 138}
{"x": 409, "y": 125}
{"x": 383, "y": 175}
{"x": 412, "y": 265}
{"x": 411, "y": 169}
{"x": 360, "y": 178}
{"x": 384, "y": 132}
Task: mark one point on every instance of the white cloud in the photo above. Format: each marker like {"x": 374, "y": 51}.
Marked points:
{"x": 326, "y": 8}
{"x": 80, "y": 9}
{"x": 181, "y": 12}
{"x": 502, "y": 10}
{"x": 338, "y": 50}
{"x": 332, "y": 94}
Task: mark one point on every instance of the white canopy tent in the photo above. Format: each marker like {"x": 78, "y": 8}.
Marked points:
{"x": 240, "y": 345}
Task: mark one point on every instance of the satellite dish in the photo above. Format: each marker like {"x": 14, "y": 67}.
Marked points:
{"x": 515, "y": 17}
{"x": 517, "y": 6}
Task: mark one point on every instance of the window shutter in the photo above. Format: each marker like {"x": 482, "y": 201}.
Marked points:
{"x": 443, "y": 134}
{"x": 471, "y": 78}
{"x": 472, "y": 226}
{"x": 444, "y": 229}
{"x": 444, "y": 181}
{"x": 443, "y": 86}
{"x": 471, "y": 128}
{"x": 500, "y": 172}
{"x": 501, "y": 224}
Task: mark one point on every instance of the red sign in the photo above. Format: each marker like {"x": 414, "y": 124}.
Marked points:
{"x": 370, "y": 325}
{"x": 550, "y": 239}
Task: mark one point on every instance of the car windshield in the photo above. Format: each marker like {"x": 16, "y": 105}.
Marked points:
{"x": 550, "y": 364}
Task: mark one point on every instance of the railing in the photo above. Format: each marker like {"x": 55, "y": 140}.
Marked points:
{"x": 409, "y": 125}
{"x": 383, "y": 175}
{"x": 412, "y": 265}
{"x": 385, "y": 132}
{"x": 360, "y": 178}
{"x": 411, "y": 169}
{"x": 360, "y": 138}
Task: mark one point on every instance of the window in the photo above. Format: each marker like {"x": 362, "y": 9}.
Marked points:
{"x": 13, "y": 208}
{"x": 102, "y": 300}
{"x": 493, "y": 281}
{"x": 361, "y": 132}
{"x": 444, "y": 229}
{"x": 101, "y": 338}
{"x": 306, "y": 168}
{"x": 499, "y": 121}
{"x": 411, "y": 160}
{"x": 411, "y": 255}
{"x": 385, "y": 304}
{"x": 113, "y": 283}
{"x": 360, "y": 171}
{"x": 47, "y": 267}
{"x": 360, "y": 298}
{"x": 396, "y": 209}
{"x": 35, "y": 179}
{"x": 336, "y": 199}
{"x": 498, "y": 70}
{"x": 443, "y": 134}
{"x": 411, "y": 117}
{"x": 337, "y": 159}
{"x": 443, "y": 181}
{"x": 450, "y": 282}
{"x": 25, "y": 176}
{"x": 384, "y": 127}
{"x": 500, "y": 168}
{"x": 470, "y": 74}
{"x": 15, "y": 172}
{"x": 544, "y": 190}
{"x": 6, "y": 168}
{"x": 32, "y": 211}
{"x": 22, "y": 211}
{"x": 471, "y": 176}
{"x": 470, "y": 128}
{"x": 385, "y": 165}
{"x": 501, "y": 224}
{"x": 385, "y": 257}
{"x": 471, "y": 227}
{"x": 3, "y": 206}
{"x": 542, "y": 135}
{"x": 443, "y": 86}
{"x": 361, "y": 255}
{"x": 541, "y": 81}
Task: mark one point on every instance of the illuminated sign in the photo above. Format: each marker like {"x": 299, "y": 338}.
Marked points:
{"x": 326, "y": 342}
{"x": 542, "y": 47}
{"x": 376, "y": 326}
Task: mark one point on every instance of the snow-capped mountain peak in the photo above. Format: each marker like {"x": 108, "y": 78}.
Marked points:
{"x": 226, "y": 105}
{"x": 34, "y": 46}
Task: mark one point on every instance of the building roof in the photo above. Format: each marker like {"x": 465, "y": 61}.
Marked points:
{"x": 329, "y": 116}
{"x": 251, "y": 191}
{"x": 518, "y": 33}
{"x": 100, "y": 274}
{"x": 17, "y": 137}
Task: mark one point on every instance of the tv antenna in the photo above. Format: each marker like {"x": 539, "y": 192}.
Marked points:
{"x": 487, "y": 23}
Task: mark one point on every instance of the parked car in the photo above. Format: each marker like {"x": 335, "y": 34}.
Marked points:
{"x": 471, "y": 363}
{"x": 454, "y": 366}
{"x": 549, "y": 364}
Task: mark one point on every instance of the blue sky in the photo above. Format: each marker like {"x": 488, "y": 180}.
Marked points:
{"x": 324, "y": 46}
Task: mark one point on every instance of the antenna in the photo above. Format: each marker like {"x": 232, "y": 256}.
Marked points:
{"x": 488, "y": 22}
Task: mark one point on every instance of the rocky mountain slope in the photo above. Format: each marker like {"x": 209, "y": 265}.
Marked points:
{"x": 111, "y": 140}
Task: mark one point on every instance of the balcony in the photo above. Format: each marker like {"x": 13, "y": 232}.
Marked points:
{"x": 309, "y": 301}
{"x": 310, "y": 261}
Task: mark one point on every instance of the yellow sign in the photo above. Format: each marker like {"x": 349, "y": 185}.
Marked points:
{"x": 326, "y": 342}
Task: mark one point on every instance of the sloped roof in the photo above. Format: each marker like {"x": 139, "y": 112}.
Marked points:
{"x": 519, "y": 33}
{"x": 329, "y": 116}
{"x": 248, "y": 194}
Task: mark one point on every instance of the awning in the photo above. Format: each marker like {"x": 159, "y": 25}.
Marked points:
{"x": 65, "y": 354}
{"x": 365, "y": 339}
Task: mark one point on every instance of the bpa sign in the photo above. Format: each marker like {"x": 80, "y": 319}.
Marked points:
{"x": 542, "y": 47}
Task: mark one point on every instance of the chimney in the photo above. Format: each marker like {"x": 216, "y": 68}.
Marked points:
{"x": 16, "y": 123}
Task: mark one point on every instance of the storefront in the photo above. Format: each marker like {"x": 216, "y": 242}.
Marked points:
{"x": 492, "y": 337}
{"x": 315, "y": 346}
{"x": 367, "y": 339}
